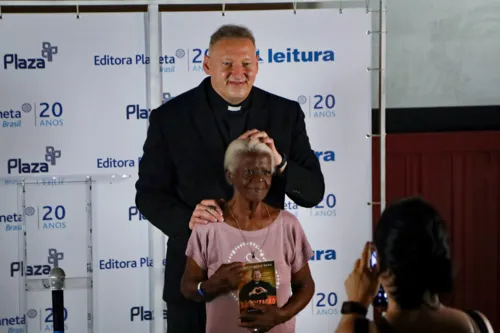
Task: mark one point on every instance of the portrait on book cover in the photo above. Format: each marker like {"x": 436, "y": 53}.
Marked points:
{"x": 259, "y": 285}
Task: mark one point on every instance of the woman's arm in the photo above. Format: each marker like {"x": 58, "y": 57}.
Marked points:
{"x": 354, "y": 323}
{"x": 193, "y": 274}
{"x": 225, "y": 279}
{"x": 303, "y": 290}
{"x": 361, "y": 287}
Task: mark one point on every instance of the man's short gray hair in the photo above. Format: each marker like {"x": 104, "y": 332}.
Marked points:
{"x": 239, "y": 147}
{"x": 231, "y": 31}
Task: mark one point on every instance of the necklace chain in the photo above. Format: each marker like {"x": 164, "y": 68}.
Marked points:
{"x": 241, "y": 232}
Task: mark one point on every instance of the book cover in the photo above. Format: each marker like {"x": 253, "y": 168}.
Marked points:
{"x": 258, "y": 286}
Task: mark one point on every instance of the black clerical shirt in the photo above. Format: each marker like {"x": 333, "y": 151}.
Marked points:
{"x": 231, "y": 119}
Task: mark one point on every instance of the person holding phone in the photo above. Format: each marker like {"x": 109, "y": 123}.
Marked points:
{"x": 413, "y": 265}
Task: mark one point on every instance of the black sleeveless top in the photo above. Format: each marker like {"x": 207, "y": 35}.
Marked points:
{"x": 483, "y": 328}
{"x": 384, "y": 326}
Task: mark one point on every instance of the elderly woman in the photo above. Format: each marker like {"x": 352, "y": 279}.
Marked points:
{"x": 252, "y": 232}
{"x": 413, "y": 266}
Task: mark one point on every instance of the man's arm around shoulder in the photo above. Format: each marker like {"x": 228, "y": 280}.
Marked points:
{"x": 305, "y": 183}
{"x": 155, "y": 196}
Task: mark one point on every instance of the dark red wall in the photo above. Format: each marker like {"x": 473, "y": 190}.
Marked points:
{"x": 459, "y": 173}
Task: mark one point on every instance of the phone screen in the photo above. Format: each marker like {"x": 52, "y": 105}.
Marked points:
{"x": 373, "y": 259}
{"x": 381, "y": 298}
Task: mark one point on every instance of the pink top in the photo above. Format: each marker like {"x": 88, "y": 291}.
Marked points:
{"x": 213, "y": 244}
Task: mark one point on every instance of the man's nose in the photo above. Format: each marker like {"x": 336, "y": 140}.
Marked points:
{"x": 238, "y": 70}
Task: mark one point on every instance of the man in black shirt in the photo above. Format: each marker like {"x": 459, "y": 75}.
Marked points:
{"x": 181, "y": 173}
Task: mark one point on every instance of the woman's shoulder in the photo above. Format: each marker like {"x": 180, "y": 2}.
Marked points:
{"x": 201, "y": 230}
{"x": 479, "y": 321}
{"x": 291, "y": 224}
{"x": 288, "y": 217}
{"x": 467, "y": 321}
{"x": 446, "y": 320}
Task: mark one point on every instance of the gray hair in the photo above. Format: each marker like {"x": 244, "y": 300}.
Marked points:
{"x": 231, "y": 31}
{"x": 239, "y": 147}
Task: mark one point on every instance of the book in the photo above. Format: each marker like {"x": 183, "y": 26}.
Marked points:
{"x": 258, "y": 286}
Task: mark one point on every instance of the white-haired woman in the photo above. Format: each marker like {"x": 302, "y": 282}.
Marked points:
{"x": 252, "y": 231}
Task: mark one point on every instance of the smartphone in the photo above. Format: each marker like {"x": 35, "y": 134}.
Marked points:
{"x": 373, "y": 259}
{"x": 381, "y": 299}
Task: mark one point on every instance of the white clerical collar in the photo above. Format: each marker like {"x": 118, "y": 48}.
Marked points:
{"x": 233, "y": 108}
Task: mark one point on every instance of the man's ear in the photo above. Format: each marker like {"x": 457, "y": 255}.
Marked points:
{"x": 206, "y": 65}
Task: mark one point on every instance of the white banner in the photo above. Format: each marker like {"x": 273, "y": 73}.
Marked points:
{"x": 66, "y": 110}
{"x": 334, "y": 89}
{"x": 73, "y": 102}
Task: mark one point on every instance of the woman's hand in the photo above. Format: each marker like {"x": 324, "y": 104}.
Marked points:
{"x": 228, "y": 276}
{"x": 264, "y": 319}
{"x": 363, "y": 284}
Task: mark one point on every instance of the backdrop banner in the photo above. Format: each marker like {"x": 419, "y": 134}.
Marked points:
{"x": 320, "y": 59}
{"x": 73, "y": 102}
{"x": 70, "y": 91}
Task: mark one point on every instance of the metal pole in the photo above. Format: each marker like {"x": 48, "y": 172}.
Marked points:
{"x": 56, "y": 278}
{"x": 382, "y": 97}
{"x": 156, "y": 238}
{"x": 90, "y": 255}
{"x": 23, "y": 259}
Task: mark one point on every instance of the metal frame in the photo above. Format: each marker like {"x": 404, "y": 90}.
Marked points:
{"x": 164, "y": 2}
{"x": 382, "y": 98}
{"x": 153, "y": 45}
{"x": 156, "y": 238}
{"x": 42, "y": 284}
{"x": 30, "y": 285}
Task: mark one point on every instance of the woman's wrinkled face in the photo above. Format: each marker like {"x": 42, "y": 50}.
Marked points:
{"x": 252, "y": 178}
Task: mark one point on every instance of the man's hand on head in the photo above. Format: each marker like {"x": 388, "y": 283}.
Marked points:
{"x": 264, "y": 137}
{"x": 248, "y": 134}
{"x": 207, "y": 211}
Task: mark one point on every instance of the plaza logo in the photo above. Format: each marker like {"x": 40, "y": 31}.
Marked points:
{"x": 135, "y": 215}
{"x": 166, "y": 97}
{"x": 16, "y": 61}
{"x": 318, "y": 105}
{"x": 136, "y": 111}
{"x": 22, "y": 166}
{"x": 141, "y": 313}
{"x": 53, "y": 259}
